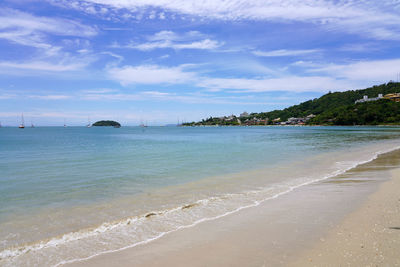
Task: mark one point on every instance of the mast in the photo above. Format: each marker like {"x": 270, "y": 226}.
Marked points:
{"x": 22, "y": 125}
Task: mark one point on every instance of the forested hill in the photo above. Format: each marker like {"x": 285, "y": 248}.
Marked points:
{"x": 329, "y": 102}
{"x": 336, "y": 108}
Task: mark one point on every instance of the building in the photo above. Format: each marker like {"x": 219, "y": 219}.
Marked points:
{"x": 366, "y": 99}
{"x": 244, "y": 114}
{"x": 311, "y": 116}
{"x": 394, "y": 97}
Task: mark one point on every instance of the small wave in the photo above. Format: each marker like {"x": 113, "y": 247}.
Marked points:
{"x": 14, "y": 252}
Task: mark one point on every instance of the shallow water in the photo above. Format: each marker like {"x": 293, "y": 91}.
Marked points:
{"x": 70, "y": 193}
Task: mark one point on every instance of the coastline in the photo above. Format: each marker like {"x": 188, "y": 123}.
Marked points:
{"x": 282, "y": 231}
{"x": 370, "y": 236}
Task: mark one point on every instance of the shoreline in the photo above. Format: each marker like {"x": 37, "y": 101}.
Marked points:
{"x": 235, "y": 240}
{"x": 369, "y": 236}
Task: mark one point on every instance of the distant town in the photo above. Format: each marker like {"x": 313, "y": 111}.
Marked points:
{"x": 377, "y": 105}
{"x": 246, "y": 119}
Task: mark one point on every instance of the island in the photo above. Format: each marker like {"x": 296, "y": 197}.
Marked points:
{"x": 107, "y": 123}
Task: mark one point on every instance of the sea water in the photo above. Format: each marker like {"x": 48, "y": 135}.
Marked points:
{"x": 68, "y": 194}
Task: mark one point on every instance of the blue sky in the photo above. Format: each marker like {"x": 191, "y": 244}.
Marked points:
{"x": 160, "y": 60}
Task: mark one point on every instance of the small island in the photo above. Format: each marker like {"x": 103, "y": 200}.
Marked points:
{"x": 107, "y": 123}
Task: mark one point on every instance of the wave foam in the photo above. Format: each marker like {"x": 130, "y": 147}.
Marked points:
{"x": 178, "y": 214}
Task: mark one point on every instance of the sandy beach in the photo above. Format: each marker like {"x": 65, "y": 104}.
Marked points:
{"x": 351, "y": 219}
{"x": 370, "y": 236}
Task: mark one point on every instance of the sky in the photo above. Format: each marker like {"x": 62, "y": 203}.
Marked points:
{"x": 160, "y": 61}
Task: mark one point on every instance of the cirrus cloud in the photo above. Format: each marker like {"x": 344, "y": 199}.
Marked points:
{"x": 150, "y": 74}
{"x": 173, "y": 40}
{"x": 379, "y": 20}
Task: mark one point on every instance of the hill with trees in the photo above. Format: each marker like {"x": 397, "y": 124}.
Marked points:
{"x": 336, "y": 108}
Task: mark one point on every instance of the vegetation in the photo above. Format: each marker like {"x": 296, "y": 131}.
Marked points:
{"x": 223, "y": 121}
{"x": 370, "y": 113}
{"x": 107, "y": 123}
{"x": 329, "y": 102}
{"x": 336, "y": 108}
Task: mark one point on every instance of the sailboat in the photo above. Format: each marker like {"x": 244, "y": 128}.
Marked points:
{"x": 22, "y": 125}
{"x": 65, "y": 125}
{"x": 89, "y": 124}
{"x": 142, "y": 124}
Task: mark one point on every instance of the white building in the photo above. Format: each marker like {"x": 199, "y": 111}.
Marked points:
{"x": 244, "y": 114}
{"x": 366, "y": 99}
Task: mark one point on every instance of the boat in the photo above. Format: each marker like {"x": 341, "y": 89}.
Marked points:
{"x": 65, "y": 125}
{"x": 89, "y": 124}
{"x": 22, "y": 125}
{"x": 142, "y": 124}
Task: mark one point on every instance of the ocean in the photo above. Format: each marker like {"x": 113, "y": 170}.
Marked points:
{"x": 68, "y": 194}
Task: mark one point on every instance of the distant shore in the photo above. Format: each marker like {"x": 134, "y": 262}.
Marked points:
{"x": 351, "y": 220}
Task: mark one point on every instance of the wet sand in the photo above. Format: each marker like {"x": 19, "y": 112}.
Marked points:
{"x": 368, "y": 237}
{"x": 351, "y": 219}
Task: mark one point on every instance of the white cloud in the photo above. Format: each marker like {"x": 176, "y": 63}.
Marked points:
{"x": 169, "y": 39}
{"x": 150, "y": 74}
{"x": 164, "y": 56}
{"x": 71, "y": 64}
{"x": 286, "y": 83}
{"x": 182, "y": 98}
{"x": 26, "y": 29}
{"x": 203, "y": 44}
{"x": 375, "y": 19}
{"x": 324, "y": 77}
{"x": 153, "y": 74}
{"x": 7, "y": 96}
{"x": 50, "y": 97}
{"x": 99, "y": 91}
{"x": 361, "y": 47}
{"x": 285, "y": 53}
{"x": 156, "y": 93}
{"x": 173, "y": 36}
{"x": 41, "y": 66}
{"x": 375, "y": 70}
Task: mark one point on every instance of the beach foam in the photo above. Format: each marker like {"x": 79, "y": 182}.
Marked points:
{"x": 133, "y": 231}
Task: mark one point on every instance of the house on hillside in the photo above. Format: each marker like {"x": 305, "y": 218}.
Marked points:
{"x": 366, "y": 99}
{"x": 244, "y": 114}
{"x": 394, "y": 97}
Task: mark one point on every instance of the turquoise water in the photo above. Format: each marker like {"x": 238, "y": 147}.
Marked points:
{"x": 56, "y": 181}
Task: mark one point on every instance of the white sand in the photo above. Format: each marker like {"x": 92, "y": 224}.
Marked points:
{"x": 369, "y": 236}
{"x": 340, "y": 222}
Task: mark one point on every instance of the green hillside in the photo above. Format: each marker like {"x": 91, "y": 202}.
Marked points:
{"x": 329, "y": 102}
{"x": 336, "y": 108}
